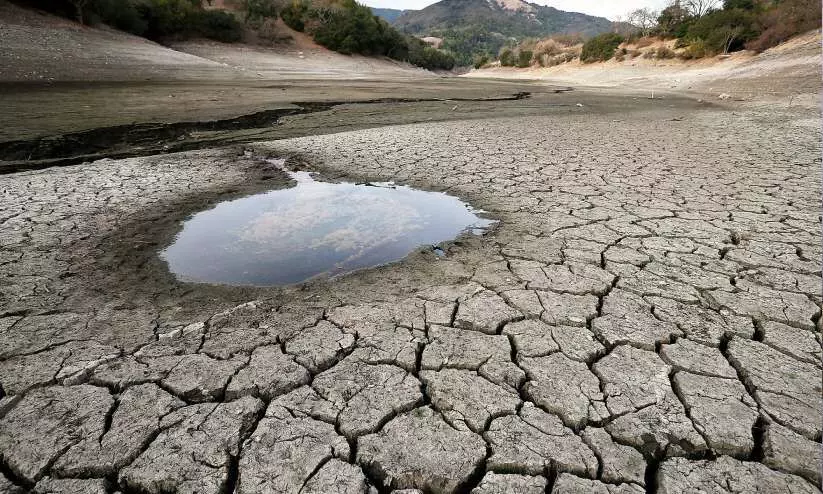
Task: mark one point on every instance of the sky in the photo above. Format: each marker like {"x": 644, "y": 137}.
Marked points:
{"x": 610, "y": 9}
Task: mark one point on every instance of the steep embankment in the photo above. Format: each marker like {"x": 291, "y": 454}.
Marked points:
{"x": 38, "y": 47}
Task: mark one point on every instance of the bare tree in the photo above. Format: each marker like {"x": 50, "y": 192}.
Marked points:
{"x": 79, "y": 5}
{"x": 699, "y": 8}
{"x": 644, "y": 20}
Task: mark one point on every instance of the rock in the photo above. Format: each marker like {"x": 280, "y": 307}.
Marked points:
{"x": 619, "y": 463}
{"x": 566, "y": 388}
{"x": 567, "y": 309}
{"x": 284, "y": 452}
{"x": 721, "y": 410}
{"x": 697, "y": 359}
{"x": 195, "y": 449}
{"x": 136, "y": 420}
{"x": 319, "y": 347}
{"x": 485, "y": 311}
{"x": 269, "y": 373}
{"x": 338, "y": 477}
{"x": 496, "y": 483}
{"x": 788, "y": 389}
{"x": 419, "y": 450}
{"x": 49, "y": 485}
{"x": 367, "y": 395}
{"x": 529, "y": 443}
{"x": 48, "y": 421}
{"x": 726, "y": 475}
{"x": 570, "y": 484}
{"x": 440, "y": 313}
{"x": 790, "y": 452}
{"x": 466, "y": 399}
{"x": 200, "y": 378}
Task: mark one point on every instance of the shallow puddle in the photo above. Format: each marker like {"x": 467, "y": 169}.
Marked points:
{"x": 314, "y": 229}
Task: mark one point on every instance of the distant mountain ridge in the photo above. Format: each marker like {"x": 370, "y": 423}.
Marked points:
{"x": 511, "y": 18}
{"x": 389, "y": 15}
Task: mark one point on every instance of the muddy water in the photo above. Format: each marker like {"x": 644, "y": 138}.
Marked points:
{"x": 315, "y": 229}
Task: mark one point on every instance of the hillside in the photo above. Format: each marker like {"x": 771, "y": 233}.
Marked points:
{"x": 476, "y": 29}
{"x": 389, "y": 15}
{"x": 511, "y": 18}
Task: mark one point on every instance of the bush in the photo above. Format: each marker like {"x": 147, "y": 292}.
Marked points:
{"x": 481, "y": 61}
{"x": 524, "y": 58}
{"x": 293, "y": 15}
{"x": 507, "y": 58}
{"x": 695, "y": 49}
{"x": 786, "y": 19}
{"x": 600, "y": 48}
{"x": 724, "y": 30}
{"x": 217, "y": 25}
{"x": 119, "y": 15}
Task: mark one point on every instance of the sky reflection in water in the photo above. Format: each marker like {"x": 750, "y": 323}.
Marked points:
{"x": 313, "y": 229}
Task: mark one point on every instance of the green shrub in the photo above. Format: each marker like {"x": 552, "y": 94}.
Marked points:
{"x": 724, "y": 30}
{"x": 601, "y": 47}
{"x": 217, "y": 25}
{"x": 524, "y": 58}
{"x": 480, "y": 61}
{"x": 507, "y": 58}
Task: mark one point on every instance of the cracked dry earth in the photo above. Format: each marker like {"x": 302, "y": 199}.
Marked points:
{"x": 645, "y": 318}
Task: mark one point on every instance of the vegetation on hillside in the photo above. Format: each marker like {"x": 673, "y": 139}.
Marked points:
{"x": 476, "y": 29}
{"x": 348, "y": 27}
{"x": 694, "y": 28}
{"x": 341, "y": 25}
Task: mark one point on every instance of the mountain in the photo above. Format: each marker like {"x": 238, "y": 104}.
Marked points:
{"x": 389, "y": 15}
{"x": 511, "y": 18}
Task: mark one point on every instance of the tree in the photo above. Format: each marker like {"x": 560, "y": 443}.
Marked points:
{"x": 699, "y": 8}
{"x": 79, "y": 6}
{"x": 644, "y": 20}
{"x": 673, "y": 20}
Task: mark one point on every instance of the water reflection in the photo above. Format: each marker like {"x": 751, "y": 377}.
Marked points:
{"x": 314, "y": 229}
